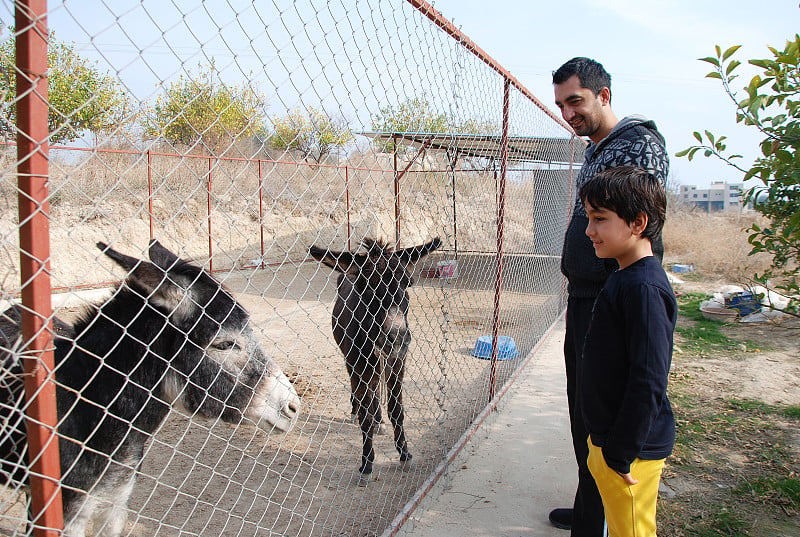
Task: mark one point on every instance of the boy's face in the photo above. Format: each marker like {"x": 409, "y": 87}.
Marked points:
{"x": 612, "y": 236}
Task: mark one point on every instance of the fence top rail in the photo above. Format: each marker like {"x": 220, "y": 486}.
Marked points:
{"x": 489, "y": 146}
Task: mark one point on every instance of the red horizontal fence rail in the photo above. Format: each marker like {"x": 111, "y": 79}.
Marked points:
{"x": 347, "y": 169}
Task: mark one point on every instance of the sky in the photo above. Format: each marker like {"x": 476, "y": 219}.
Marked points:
{"x": 333, "y": 52}
{"x": 651, "y": 50}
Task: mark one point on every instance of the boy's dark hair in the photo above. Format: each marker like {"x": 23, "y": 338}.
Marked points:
{"x": 629, "y": 191}
{"x": 591, "y": 74}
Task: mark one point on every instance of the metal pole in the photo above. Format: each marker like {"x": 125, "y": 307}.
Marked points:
{"x": 501, "y": 202}
{"x": 208, "y": 205}
{"x": 261, "y": 211}
{"x": 150, "y": 191}
{"x": 347, "y": 201}
{"x": 34, "y": 234}
{"x": 396, "y": 198}
{"x": 453, "y": 163}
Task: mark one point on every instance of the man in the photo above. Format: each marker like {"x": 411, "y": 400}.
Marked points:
{"x": 583, "y": 94}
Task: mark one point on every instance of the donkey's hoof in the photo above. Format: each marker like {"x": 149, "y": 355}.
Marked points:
{"x": 364, "y": 479}
{"x": 406, "y": 462}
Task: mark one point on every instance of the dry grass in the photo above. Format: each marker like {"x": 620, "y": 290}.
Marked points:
{"x": 715, "y": 244}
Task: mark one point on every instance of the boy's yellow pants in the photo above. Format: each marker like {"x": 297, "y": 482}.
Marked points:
{"x": 630, "y": 509}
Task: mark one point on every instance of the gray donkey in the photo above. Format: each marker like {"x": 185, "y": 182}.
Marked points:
{"x": 171, "y": 335}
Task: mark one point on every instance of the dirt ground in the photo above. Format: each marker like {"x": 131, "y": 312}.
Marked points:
{"x": 769, "y": 372}
{"x": 730, "y": 447}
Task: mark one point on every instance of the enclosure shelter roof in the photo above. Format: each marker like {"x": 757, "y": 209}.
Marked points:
{"x": 520, "y": 148}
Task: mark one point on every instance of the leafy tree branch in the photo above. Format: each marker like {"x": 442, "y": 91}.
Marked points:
{"x": 772, "y": 106}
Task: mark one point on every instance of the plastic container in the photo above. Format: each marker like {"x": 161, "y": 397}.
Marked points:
{"x": 745, "y": 303}
{"x": 682, "y": 268}
{"x": 720, "y": 314}
{"x": 506, "y": 348}
{"x": 447, "y": 269}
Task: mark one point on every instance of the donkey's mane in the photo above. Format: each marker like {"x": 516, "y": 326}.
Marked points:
{"x": 376, "y": 246}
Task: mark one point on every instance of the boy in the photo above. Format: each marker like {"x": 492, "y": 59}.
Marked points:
{"x": 628, "y": 350}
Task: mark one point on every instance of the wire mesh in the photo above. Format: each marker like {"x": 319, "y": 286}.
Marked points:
{"x": 238, "y": 135}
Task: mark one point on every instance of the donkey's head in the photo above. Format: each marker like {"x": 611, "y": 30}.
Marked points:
{"x": 216, "y": 366}
{"x": 380, "y": 279}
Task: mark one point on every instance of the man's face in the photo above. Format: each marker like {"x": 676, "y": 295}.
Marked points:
{"x": 580, "y": 107}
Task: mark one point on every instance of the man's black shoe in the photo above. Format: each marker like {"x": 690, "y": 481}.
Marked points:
{"x": 561, "y": 518}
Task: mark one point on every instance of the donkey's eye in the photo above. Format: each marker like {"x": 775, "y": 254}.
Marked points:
{"x": 225, "y": 345}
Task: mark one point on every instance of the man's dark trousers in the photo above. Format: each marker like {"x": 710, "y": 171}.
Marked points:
{"x": 588, "y": 519}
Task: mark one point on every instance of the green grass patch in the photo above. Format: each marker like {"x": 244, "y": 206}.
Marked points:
{"x": 689, "y": 306}
{"x": 721, "y": 522}
{"x": 753, "y": 406}
{"x": 702, "y": 336}
{"x": 792, "y": 412}
{"x": 779, "y": 491}
{"x": 760, "y": 407}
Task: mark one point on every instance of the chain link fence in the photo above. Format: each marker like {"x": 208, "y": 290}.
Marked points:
{"x": 236, "y": 135}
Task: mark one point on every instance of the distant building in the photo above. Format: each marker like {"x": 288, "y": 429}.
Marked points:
{"x": 720, "y": 196}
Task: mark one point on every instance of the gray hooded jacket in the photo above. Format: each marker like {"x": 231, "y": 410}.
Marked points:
{"x": 634, "y": 141}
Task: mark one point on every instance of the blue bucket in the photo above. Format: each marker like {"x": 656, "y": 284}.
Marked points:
{"x": 506, "y": 348}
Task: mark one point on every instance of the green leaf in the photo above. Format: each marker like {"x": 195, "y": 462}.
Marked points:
{"x": 727, "y": 54}
{"x": 712, "y": 61}
{"x": 698, "y": 136}
{"x": 764, "y": 64}
{"x": 714, "y": 74}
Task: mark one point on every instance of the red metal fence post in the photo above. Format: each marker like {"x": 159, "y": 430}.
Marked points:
{"x": 396, "y": 197}
{"x": 210, "y": 239}
{"x": 347, "y": 200}
{"x": 501, "y": 211}
{"x": 34, "y": 231}
{"x": 150, "y": 191}
{"x": 261, "y": 262}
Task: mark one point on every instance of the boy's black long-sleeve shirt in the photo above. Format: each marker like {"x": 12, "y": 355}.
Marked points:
{"x": 623, "y": 374}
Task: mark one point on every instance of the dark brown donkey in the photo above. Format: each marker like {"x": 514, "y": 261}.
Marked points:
{"x": 370, "y": 320}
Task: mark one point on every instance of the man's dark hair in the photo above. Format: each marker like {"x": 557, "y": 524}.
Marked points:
{"x": 629, "y": 191}
{"x": 592, "y": 74}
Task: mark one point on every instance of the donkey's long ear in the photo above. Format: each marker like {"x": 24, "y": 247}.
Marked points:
{"x": 125, "y": 261}
{"x": 161, "y": 256}
{"x": 152, "y": 279}
{"x": 338, "y": 261}
{"x": 145, "y": 274}
{"x": 415, "y": 253}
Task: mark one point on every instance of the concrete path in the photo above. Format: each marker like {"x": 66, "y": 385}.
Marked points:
{"x": 518, "y": 466}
